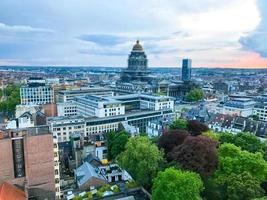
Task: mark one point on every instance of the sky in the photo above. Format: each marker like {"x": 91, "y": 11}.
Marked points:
{"x": 213, "y": 33}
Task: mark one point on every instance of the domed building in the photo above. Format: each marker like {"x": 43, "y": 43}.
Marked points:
{"x": 137, "y": 69}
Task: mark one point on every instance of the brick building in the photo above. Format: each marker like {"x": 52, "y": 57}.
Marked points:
{"x": 27, "y": 161}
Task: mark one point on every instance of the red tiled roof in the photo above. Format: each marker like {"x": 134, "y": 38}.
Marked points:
{"x": 10, "y": 192}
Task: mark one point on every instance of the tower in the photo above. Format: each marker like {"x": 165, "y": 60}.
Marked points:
{"x": 186, "y": 69}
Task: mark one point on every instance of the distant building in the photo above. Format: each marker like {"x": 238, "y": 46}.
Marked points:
{"x": 221, "y": 86}
{"x": 105, "y": 114}
{"x": 28, "y": 161}
{"x": 186, "y": 69}
{"x": 36, "y": 92}
{"x": 200, "y": 113}
{"x": 69, "y": 95}
{"x": 260, "y": 109}
{"x": 137, "y": 69}
{"x": 239, "y": 106}
{"x": 237, "y": 124}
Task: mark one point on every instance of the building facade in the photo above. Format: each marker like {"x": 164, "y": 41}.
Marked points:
{"x": 260, "y": 109}
{"x": 36, "y": 92}
{"x": 186, "y": 69}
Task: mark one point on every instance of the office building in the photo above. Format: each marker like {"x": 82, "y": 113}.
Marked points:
{"x": 102, "y": 115}
{"x": 186, "y": 69}
{"x": 36, "y": 92}
{"x": 98, "y": 106}
{"x": 69, "y": 95}
{"x": 260, "y": 109}
{"x": 67, "y": 109}
{"x": 239, "y": 106}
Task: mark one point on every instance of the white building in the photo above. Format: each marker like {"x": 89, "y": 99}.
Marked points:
{"x": 57, "y": 169}
{"x": 92, "y": 105}
{"x": 64, "y": 127}
{"x": 67, "y": 109}
{"x": 24, "y": 121}
{"x": 261, "y": 111}
{"x": 96, "y": 106}
{"x": 98, "y": 115}
{"x": 69, "y": 95}
{"x": 241, "y": 107}
{"x": 36, "y": 92}
{"x": 21, "y": 109}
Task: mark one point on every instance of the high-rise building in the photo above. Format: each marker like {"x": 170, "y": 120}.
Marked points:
{"x": 30, "y": 160}
{"x": 186, "y": 69}
{"x": 36, "y": 92}
{"x": 137, "y": 65}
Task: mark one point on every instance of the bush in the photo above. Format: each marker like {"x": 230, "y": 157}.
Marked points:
{"x": 131, "y": 184}
{"x": 116, "y": 189}
{"x": 103, "y": 189}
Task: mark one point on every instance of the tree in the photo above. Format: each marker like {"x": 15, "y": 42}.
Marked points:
{"x": 240, "y": 172}
{"x": 243, "y": 187}
{"x": 212, "y": 135}
{"x": 171, "y": 139}
{"x": 196, "y": 128}
{"x": 195, "y": 94}
{"x": 246, "y": 141}
{"x": 198, "y": 154}
{"x": 179, "y": 124}
{"x": 232, "y": 160}
{"x": 116, "y": 143}
{"x": 262, "y": 198}
{"x": 141, "y": 159}
{"x": 226, "y": 137}
{"x": 176, "y": 184}
{"x": 13, "y": 98}
{"x": 249, "y": 142}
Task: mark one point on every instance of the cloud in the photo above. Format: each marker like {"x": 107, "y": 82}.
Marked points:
{"x": 69, "y": 32}
{"x": 256, "y": 40}
{"x": 23, "y": 29}
{"x": 103, "y": 39}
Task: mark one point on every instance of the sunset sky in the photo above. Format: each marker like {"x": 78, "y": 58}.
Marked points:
{"x": 214, "y": 33}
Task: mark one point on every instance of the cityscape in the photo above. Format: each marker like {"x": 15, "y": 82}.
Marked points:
{"x": 149, "y": 120}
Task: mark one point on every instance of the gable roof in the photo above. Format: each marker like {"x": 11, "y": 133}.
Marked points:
{"x": 85, "y": 172}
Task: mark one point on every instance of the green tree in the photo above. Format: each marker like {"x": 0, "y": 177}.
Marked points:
{"x": 240, "y": 171}
{"x": 179, "y": 124}
{"x": 249, "y": 142}
{"x": 262, "y": 198}
{"x": 176, "y": 184}
{"x": 226, "y": 137}
{"x": 243, "y": 187}
{"x": 246, "y": 141}
{"x": 212, "y": 135}
{"x": 116, "y": 143}
{"x": 195, "y": 95}
{"x": 13, "y": 98}
{"x": 142, "y": 159}
{"x": 232, "y": 160}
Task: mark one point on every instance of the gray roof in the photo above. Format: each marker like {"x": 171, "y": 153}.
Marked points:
{"x": 85, "y": 172}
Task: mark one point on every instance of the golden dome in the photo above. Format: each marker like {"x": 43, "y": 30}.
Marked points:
{"x": 138, "y": 47}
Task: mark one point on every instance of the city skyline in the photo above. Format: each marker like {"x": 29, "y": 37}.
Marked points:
{"x": 213, "y": 34}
